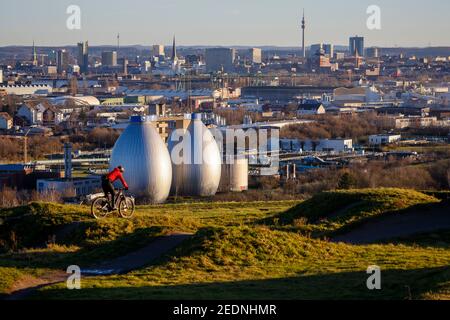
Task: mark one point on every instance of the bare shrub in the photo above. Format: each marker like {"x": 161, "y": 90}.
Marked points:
{"x": 48, "y": 196}
{"x": 9, "y": 198}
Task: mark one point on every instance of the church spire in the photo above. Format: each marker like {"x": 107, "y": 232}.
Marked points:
{"x": 174, "y": 50}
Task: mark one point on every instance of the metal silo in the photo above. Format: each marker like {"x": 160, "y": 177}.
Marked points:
{"x": 198, "y": 171}
{"x": 234, "y": 175}
{"x": 143, "y": 154}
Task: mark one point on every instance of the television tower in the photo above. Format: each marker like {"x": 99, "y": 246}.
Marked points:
{"x": 303, "y": 35}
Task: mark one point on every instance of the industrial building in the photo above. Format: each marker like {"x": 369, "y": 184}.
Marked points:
{"x": 383, "y": 139}
{"x": 68, "y": 185}
{"x": 283, "y": 94}
{"x": 197, "y": 169}
{"x": 24, "y": 176}
{"x": 76, "y": 187}
{"x": 323, "y": 145}
{"x": 234, "y": 176}
{"x": 143, "y": 154}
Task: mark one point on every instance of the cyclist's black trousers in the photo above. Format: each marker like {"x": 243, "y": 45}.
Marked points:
{"x": 108, "y": 188}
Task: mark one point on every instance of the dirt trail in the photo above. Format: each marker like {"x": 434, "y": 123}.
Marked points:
{"x": 133, "y": 261}
{"x": 140, "y": 258}
{"x": 404, "y": 224}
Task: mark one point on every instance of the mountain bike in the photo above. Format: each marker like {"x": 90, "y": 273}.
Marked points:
{"x": 101, "y": 207}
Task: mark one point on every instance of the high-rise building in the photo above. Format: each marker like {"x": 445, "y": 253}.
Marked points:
{"x": 328, "y": 50}
{"x": 124, "y": 63}
{"x": 62, "y": 60}
{"x": 158, "y": 50}
{"x": 303, "y": 35}
{"x": 320, "y": 60}
{"x": 256, "y": 55}
{"x": 83, "y": 56}
{"x": 373, "y": 52}
{"x": 218, "y": 59}
{"x": 356, "y": 46}
{"x": 34, "y": 55}
{"x": 1, "y": 76}
{"x": 314, "y": 49}
{"x": 109, "y": 58}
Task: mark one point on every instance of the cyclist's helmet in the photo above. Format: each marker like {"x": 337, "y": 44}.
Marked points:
{"x": 121, "y": 169}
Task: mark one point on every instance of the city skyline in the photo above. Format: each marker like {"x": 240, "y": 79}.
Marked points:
{"x": 253, "y": 23}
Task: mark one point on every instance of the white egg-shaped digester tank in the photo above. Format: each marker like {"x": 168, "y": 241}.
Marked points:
{"x": 145, "y": 157}
{"x": 198, "y": 170}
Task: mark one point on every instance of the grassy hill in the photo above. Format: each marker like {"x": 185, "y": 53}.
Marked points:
{"x": 259, "y": 250}
{"x": 330, "y": 213}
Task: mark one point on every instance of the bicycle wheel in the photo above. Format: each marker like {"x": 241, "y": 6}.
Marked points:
{"x": 126, "y": 208}
{"x": 100, "y": 208}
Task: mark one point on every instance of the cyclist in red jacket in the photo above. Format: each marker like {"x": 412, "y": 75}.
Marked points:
{"x": 109, "y": 179}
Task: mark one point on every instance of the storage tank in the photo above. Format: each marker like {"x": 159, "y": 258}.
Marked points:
{"x": 145, "y": 157}
{"x": 234, "y": 175}
{"x": 196, "y": 161}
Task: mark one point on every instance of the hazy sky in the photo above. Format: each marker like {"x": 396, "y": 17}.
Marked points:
{"x": 224, "y": 22}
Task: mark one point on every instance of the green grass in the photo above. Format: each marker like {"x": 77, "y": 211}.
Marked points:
{"x": 256, "y": 262}
{"x": 333, "y": 212}
{"x": 256, "y": 250}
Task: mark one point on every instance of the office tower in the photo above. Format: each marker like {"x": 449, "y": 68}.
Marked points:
{"x": 329, "y": 50}
{"x": 109, "y": 58}
{"x": 218, "y": 59}
{"x": 62, "y": 61}
{"x": 373, "y": 52}
{"x": 1, "y": 76}
{"x": 315, "y": 49}
{"x": 303, "y": 35}
{"x": 256, "y": 55}
{"x": 356, "y": 46}
{"x": 83, "y": 56}
{"x": 124, "y": 63}
{"x": 34, "y": 55}
{"x": 158, "y": 50}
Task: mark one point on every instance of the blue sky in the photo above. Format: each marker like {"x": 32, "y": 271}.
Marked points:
{"x": 224, "y": 22}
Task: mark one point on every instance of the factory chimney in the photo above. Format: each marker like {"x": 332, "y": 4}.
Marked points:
{"x": 68, "y": 161}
